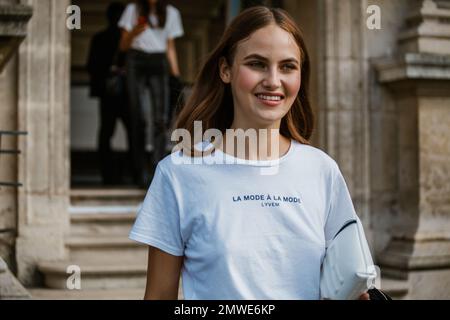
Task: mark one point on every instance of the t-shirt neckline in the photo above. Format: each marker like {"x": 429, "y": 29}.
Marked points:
{"x": 259, "y": 163}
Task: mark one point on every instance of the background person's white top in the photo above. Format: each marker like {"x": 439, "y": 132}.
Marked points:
{"x": 152, "y": 40}
{"x": 236, "y": 244}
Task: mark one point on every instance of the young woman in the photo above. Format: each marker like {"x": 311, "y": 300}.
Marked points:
{"x": 149, "y": 28}
{"x": 234, "y": 232}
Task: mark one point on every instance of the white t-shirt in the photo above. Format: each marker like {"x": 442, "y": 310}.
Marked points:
{"x": 152, "y": 40}
{"x": 245, "y": 235}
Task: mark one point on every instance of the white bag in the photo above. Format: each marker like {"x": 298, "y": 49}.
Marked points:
{"x": 347, "y": 269}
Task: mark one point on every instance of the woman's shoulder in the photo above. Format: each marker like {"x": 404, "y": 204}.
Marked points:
{"x": 178, "y": 161}
{"x": 169, "y": 162}
{"x": 315, "y": 155}
{"x": 172, "y": 11}
{"x": 131, "y": 7}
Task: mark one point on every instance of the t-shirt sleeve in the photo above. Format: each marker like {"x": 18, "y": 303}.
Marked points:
{"x": 341, "y": 207}
{"x": 175, "y": 25}
{"x": 158, "y": 220}
{"x": 128, "y": 19}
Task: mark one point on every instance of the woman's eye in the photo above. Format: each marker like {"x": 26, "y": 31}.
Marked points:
{"x": 288, "y": 67}
{"x": 256, "y": 64}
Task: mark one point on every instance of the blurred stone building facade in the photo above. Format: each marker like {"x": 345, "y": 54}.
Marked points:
{"x": 382, "y": 99}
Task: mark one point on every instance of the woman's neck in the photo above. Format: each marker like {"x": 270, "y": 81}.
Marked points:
{"x": 255, "y": 144}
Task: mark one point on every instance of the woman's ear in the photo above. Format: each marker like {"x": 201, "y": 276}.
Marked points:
{"x": 224, "y": 69}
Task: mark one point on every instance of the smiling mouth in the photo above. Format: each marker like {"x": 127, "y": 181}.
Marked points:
{"x": 268, "y": 97}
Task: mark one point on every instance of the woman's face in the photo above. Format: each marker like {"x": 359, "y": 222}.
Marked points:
{"x": 265, "y": 78}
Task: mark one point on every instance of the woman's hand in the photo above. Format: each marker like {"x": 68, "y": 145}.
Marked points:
{"x": 128, "y": 37}
{"x": 138, "y": 29}
{"x": 172, "y": 57}
{"x": 364, "y": 296}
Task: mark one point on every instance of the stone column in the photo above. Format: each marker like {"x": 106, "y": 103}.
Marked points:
{"x": 43, "y": 111}
{"x": 419, "y": 81}
{"x": 343, "y": 118}
{"x": 13, "y": 29}
{"x": 306, "y": 14}
{"x": 13, "y": 22}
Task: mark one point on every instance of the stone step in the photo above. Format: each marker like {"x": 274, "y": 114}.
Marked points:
{"x": 395, "y": 288}
{"x": 90, "y": 294}
{"x": 87, "y": 294}
{"x": 106, "y": 197}
{"x": 93, "y": 276}
{"x": 102, "y": 220}
{"x": 115, "y": 250}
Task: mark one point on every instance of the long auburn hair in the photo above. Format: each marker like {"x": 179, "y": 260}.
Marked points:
{"x": 161, "y": 11}
{"x": 211, "y": 101}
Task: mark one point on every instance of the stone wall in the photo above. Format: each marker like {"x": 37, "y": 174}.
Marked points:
{"x": 13, "y": 22}
{"x": 306, "y": 14}
{"x": 383, "y": 128}
{"x": 336, "y": 37}
{"x": 8, "y": 163}
{"x": 43, "y": 111}
{"x": 434, "y": 163}
{"x": 358, "y": 117}
{"x": 418, "y": 81}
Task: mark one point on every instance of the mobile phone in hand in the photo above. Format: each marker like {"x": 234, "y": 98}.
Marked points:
{"x": 142, "y": 20}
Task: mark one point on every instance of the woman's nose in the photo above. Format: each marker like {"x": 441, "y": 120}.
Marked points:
{"x": 272, "y": 80}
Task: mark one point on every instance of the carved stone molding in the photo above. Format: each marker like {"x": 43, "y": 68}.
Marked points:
{"x": 427, "y": 28}
{"x": 13, "y": 29}
{"x": 420, "y": 244}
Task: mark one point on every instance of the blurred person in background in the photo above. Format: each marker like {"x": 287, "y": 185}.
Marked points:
{"x": 104, "y": 60}
{"x": 149, "y": 28}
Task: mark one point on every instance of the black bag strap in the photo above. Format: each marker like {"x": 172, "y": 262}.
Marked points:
{"x": 346, "y": 224}
{"x": 376, "y": 294}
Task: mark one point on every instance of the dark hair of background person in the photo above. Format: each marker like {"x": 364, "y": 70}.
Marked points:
{"x": 114, "y": 12}
{"x": 161, "y": 10}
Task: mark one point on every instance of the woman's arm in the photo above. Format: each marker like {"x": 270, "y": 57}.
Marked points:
{"x": 172, "y": 57}
{"x": 127, "y": 37}
{"x": 163, "y": 275}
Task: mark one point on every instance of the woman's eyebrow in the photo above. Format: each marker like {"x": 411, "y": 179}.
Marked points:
{"x": 259, "y": 57}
